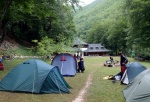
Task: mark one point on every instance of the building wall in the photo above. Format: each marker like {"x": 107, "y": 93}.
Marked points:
{"x": 94, "y": 53}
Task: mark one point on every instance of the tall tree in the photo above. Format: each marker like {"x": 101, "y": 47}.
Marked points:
{"x": 28, "y": 19}
{"x": 138, "y": 12}
{"x": 4, "y": 6}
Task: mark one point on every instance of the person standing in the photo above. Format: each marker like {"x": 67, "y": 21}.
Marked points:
{"x": 123, "y": 62}
{"x": 81, "y": 65}
{"x": 1, "y": 65}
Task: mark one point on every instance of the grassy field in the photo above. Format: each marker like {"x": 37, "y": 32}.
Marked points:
{"x": 100, "y": 90}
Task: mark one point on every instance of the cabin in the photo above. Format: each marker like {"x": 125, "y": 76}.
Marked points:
{"x": 84, "y": 49}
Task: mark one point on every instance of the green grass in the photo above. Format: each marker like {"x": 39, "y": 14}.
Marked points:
{"x": 100, "y": 90}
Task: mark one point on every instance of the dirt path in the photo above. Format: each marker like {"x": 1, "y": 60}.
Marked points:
{"x": 80, "y": 97}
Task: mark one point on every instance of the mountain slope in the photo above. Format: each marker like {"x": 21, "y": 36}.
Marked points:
{"x": 95, "y": 13}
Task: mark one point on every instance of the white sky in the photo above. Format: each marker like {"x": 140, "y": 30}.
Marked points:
{"x": 85, "y": 2}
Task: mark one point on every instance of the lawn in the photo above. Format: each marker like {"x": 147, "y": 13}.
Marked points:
{"x": 100, "y": 90}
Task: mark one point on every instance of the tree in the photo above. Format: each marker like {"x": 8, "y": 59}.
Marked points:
{"x": 33, "y": 19}
{"x": 138, "y": 12}
{"x": 104, "y": 22}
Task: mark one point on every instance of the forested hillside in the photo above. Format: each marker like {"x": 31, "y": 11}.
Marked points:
{"x": 121, "y": 25}
{"x": 50, "y": 26}
{"x": 40, "y": 24}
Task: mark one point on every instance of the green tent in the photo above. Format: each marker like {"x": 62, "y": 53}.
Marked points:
{"x": 34, "y": 76}
{"x": 133, "y": 69}
{"x": 138, "y": 89}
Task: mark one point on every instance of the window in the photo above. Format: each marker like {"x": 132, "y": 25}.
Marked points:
{"x": 102, "y": 47}
{"x": 96, "y": 48}
{"x": 91, "y": 48}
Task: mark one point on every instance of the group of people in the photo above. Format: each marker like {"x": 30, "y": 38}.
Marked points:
{"x": 80, "y": 67}
{"x": 123, "y": 62}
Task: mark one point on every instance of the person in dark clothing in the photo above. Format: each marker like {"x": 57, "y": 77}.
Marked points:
{"x": 123, "y": 62}
{"x": 111, "y": 59}
{"x": 1, "y": 65}
{"x": 81, "y": 66}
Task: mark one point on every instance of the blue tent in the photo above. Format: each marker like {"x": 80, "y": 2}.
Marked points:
{"x": 67, "y": 64}
{"x": 132, "y": 71}
{"x": 34, "y": 76}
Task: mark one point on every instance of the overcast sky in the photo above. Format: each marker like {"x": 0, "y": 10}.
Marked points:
{"x": 85, "y": 2}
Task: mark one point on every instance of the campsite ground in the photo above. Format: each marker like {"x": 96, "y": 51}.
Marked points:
{"x": 91, "y": 84}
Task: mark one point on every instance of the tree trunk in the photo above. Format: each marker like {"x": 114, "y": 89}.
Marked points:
{"x": 2, "y": 33}
{"x": 3, "y": 12}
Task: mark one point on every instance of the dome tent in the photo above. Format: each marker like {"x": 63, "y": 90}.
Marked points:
{"x": 67, "y": 64}
{"x": 132, "y": 71}
{"x": 138, "y": 89}
{"x": 34, "y": 76}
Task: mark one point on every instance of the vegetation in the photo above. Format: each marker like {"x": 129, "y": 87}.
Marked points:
{"x": 99, "y": 91}
{"x": 121, "y": 25}
{"x": 138, "y": 31}
{"x": 46, "y": 27}
{"x": 30, "y": 20}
